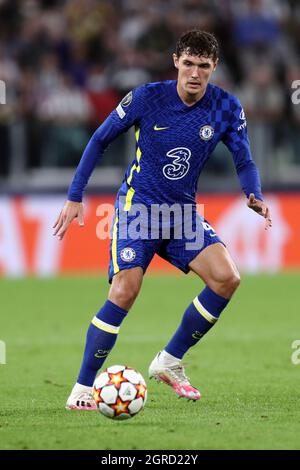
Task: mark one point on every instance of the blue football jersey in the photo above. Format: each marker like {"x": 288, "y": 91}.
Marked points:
{"x": 173, "y": 143}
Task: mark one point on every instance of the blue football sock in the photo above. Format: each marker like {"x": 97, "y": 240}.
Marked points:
{"x": 101, "y": 337}
{"x": 198, "y": 319}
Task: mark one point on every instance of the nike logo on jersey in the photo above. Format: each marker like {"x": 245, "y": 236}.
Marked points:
{"x": 160, "y": 128}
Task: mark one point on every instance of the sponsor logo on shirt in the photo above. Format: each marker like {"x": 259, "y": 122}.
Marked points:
{"x": 180, "y": 163}
{"x": 242, "y": 115}
{"x": 242, "y": 118}
{"x": 242, "y": 126}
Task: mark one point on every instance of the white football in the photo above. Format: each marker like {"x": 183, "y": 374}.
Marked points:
{"x": 120, "y": 392}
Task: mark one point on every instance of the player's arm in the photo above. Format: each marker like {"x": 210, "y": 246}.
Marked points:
{"x": 261, "y": 208}
{"x": 69, "y": 212}
{"x": 236, "y": 139}
{"x": 120, "y": 120}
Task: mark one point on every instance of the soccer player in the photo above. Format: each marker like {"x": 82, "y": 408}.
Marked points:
{"x": 177, "y": 126}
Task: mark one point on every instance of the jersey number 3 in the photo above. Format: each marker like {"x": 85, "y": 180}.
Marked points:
{"x": 180, "y": 164}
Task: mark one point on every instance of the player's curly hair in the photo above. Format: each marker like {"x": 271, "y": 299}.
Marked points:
{"x": 199, "y": 43}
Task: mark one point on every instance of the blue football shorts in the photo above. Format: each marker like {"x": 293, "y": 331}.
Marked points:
{"x": 178, "y": 249}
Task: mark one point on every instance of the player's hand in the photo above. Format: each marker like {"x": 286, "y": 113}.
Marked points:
{"x": 70, "y": 211}
{"x": 261, "y": 208}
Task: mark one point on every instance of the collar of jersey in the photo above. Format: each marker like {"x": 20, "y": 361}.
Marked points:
{"x": 201, "y": 102}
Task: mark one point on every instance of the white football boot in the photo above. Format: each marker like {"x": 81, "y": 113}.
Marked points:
{"x": 173, "y": 375}
{"x": 81, "y": 398}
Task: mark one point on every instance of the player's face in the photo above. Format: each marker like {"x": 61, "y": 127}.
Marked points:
{"x": 194, "y": 73}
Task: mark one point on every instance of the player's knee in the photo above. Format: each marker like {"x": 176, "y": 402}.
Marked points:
{"x": 227, "y": 283}
{"x": 231, "y": 283}
{"x": 234, "y": 281}
{"x": 124, "y": 293}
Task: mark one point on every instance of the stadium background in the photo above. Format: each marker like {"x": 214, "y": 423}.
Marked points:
{"x": 66, "y": 65}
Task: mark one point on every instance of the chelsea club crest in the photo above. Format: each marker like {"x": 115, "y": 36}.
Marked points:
{"x": 127, "y": 254}
{"x": 206, "y": 132}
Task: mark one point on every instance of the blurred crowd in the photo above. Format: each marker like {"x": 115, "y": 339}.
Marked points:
{"x": 66, "y": 65}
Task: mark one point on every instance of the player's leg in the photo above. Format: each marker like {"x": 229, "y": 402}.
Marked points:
{"x": 216, "y": 268}
{"x": 102, "y": 334}
{"x": 212, "y": 262}
{"x": 129, "y": 259}
{"x": 104, "y": 328}
{"x": 125, "y": 287}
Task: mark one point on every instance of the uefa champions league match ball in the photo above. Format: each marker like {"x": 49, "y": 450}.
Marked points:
{"x": 120, "y": 392}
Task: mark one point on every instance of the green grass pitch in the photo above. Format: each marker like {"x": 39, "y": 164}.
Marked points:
{"x": 243, "y": 367}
